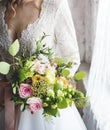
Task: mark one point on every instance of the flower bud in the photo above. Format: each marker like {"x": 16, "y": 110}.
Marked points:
{"x": 60, "y": 93}
{"x": 50, "y": 93}
{"x": 47, "y": 99}
{"x": 45, "y": 104}
{"x": 54, "y": 106}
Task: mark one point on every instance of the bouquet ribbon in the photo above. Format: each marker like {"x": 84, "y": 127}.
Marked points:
{"x": 5, "y": 96}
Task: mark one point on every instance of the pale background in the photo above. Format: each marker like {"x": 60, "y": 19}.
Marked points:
{"x": 84, "y": 15}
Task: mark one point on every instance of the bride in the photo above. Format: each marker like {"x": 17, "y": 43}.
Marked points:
{"x": 26, "y": 20}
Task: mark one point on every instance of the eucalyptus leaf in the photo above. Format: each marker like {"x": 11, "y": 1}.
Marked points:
{"x": 59, "y": 61}
{"x": 14, "y": 48}
{"x": 65, "y": 72}
{"x": 79, "y": 75}
{"x": 4, "y": 68}
{"x": 22, "y": 107}
{"x": 14, "y": 90}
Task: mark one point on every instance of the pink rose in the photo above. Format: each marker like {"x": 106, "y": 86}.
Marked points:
{"x": 34, "y": 104}
{"x": 25, "y": 90}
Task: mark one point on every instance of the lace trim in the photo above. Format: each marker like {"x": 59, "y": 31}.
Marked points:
{"x": 48, "y": 10}
{"x": 44, "y": 7}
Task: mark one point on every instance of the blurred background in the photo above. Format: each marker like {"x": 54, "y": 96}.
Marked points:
{"x": 84, "y": 14}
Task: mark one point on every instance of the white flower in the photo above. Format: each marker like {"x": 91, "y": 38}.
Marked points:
{"x": 38, "y": 67}
{"x": 50, "y": 93}
{"x": 60, "y": 93}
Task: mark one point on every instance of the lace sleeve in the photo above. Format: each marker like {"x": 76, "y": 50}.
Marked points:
{"x": 65, "y": 36}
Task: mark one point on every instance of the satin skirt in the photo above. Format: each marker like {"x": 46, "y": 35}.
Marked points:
{"x": 69, "y": 119}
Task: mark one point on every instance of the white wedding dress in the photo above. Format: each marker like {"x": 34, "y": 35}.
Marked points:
{"x": 55, "y": 20}
{"x": 69, "y": 120}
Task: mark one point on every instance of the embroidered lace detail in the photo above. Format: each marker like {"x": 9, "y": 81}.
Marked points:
{"x": 55, "y": 20}
{"x": 32, "y": 31}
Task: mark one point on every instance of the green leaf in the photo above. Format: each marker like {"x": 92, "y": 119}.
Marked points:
{"x": 52, "y": 112}
{"x": 78, "y": 94}
{"x": 59, "y": 61}
{"x": 65, "y": 72}
{"x": 22, "y": 107}
{"x": 14, "y": 48}
{"x": 4, "y": 68}
{"x": 79, "y": 75}
{"x": 39, "y": 43}
{"x": 14, "y": 90}
{"x": 63, "y": 104}
{"x": 38, "y": 46}
{"x": 80, "y": 102}
{"x": 22, "y": 75}
{"x": 69, "y": 65}
{"x": 57, "y": 87}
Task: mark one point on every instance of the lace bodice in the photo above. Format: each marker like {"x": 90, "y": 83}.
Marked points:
{"x": 56, "y": 21}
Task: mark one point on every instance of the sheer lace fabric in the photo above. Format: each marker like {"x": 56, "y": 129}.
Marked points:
{"x": 99, "y": 83}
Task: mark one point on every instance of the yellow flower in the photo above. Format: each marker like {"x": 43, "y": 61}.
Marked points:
{"x": 36, "y": 78}
{"x": 62, "y": 81}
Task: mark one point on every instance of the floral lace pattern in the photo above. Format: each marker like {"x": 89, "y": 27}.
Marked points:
{"x": 53, "y": 21}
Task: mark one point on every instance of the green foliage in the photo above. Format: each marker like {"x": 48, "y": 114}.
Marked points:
{"x": 80, "y": 102}
{"x": 4, "y": 68}
{"x": 57, "y": 87}
{"x": 53, "y": 86}
{"x": 14, "y": 48}
{"x": 79, "y": 99}
{"x": 65, "y": 72}
{"x": 22, "y": 107}
{"x": 62, "y": 67}
{"x": 50, "y": 111}
{"x": 59, "y": 61}
{"x": 14, "y": 90}
{"x": 21, "y": 74}
{"x": 63, "y": 104}
{"x": 42, "y": 48}
{"x": 79, "y": 75}
{"x": 22, "y": 69}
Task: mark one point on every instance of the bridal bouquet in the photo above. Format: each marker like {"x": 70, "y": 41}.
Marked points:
{"x": 41, "y": 81}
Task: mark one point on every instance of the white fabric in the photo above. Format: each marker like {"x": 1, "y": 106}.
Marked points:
{"x": 99, "y": 77}
{"x": 69, "y": 120}
{"x": 55, "y": 20}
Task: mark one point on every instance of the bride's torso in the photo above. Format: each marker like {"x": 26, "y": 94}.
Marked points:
{"x": 29, "y": 32}
{"x": 19, "y": 16}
